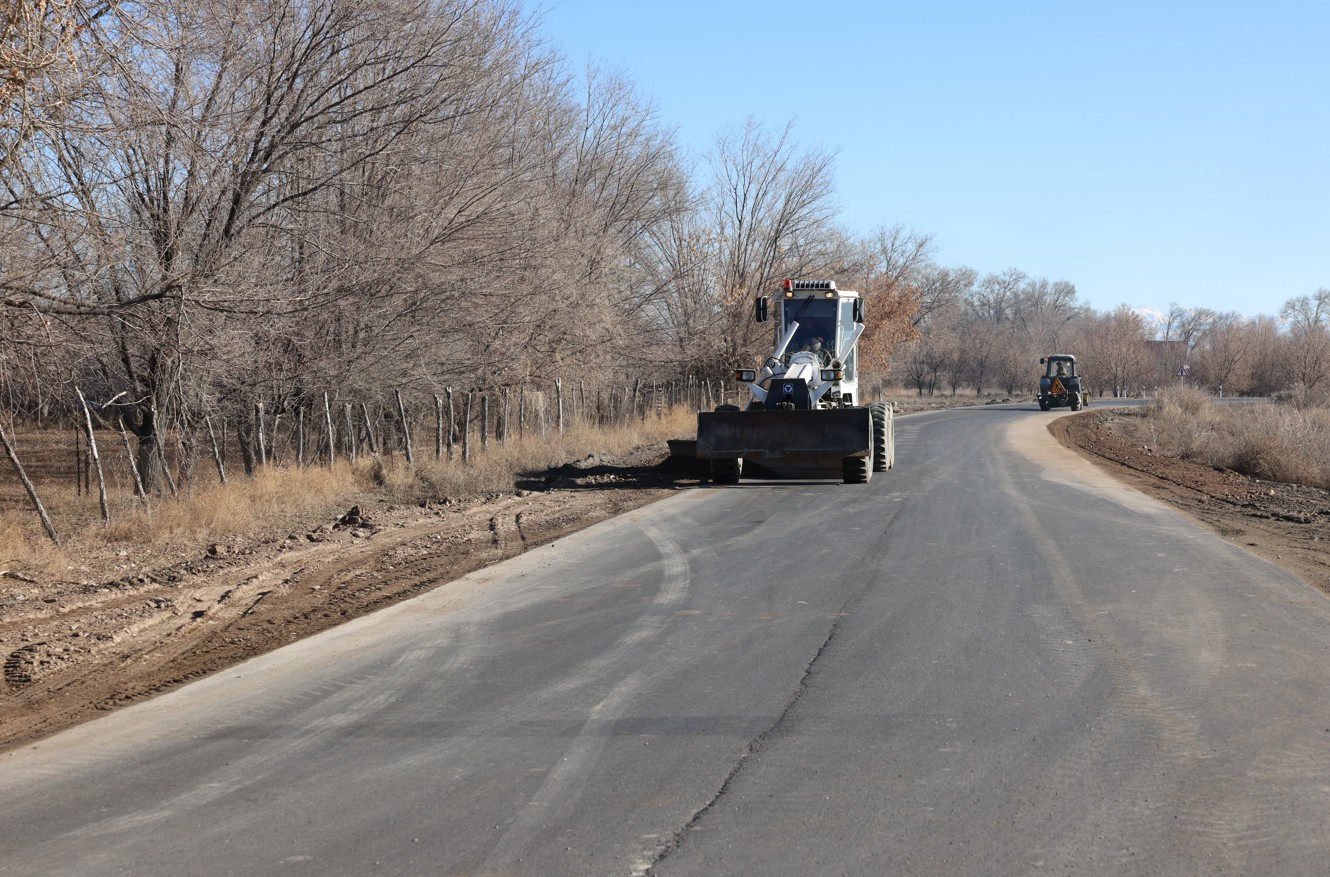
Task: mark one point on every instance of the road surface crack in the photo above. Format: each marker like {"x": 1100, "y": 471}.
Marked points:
{"x": 760, "y": 742}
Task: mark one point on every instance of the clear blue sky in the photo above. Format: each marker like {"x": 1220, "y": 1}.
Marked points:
{"x": 1148, "y": 152}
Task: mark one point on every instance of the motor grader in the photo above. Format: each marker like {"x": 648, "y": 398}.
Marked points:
{"x": 805, "y": 417}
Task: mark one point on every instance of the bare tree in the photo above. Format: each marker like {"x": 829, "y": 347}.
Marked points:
{"x": 1222, "y": 351}
{"x": 48, "y": 49}
{"x": 997, "y": 296}
{"x": 1116, "y": 353}
{"x": 770, "y": 212}
{"x": 1308, "y": 320}
{"x": 247, "y": 168}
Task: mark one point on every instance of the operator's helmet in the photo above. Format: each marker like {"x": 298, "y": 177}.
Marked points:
{"x": 815, "y": 344}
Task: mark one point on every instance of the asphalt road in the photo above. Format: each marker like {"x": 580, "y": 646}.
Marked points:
{"x": 992, "y": 660}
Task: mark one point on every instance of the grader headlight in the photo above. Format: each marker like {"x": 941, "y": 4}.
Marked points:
{"x": 833, "y": 374}
{"x": 747, "y": 375}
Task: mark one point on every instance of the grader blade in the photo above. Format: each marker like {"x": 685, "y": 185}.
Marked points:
{"x": 827, "y": 432}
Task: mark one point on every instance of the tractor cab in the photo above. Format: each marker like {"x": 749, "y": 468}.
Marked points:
{"x": 1059, "y": 365}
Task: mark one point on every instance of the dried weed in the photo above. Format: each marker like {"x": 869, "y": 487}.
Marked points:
{"x": 1266, "y": 440}
{"x": 287, "y": 498}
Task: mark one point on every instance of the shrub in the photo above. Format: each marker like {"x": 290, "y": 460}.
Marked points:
{"x": 1271, "y": 441}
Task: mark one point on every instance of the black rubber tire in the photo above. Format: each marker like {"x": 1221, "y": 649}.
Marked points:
{"x": 1043, "y": 405}
{"x": 1076, "y": 402}
{"x": 726, "y": 471}
{"x": 857, "y": 470}
{"x": 881, "y": 441}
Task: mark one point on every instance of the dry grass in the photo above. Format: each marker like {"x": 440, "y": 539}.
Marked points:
{"x": 1274, "y": 442}
{"x": 286, "y": 499}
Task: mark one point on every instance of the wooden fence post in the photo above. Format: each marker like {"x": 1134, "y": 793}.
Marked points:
{"x": 438, "y": 427}
{"x": 258, "y": 427}
{"x": 276, "y": 431}
{"x": 327, "y": 422}
{"x": 96, "y": 459}
{"x": 216, "y": 451}
{"x": 300, "y": 436}
{"x": 78, "y": 464}
{"x": 133, "y": 464}
{"x": 558, "y": 393}
{"x": 406, "y": 427}
{"x": 161, "y": 451}
{"x": 29, "y": 486}
{"x": 452, "y": 421}
{"x": 351, "y": 443}
{"x": 485, "y": 422}
{"x": 466, "y": 430}
{"x": 504, "y": 434}
{"x": 161, "y": 456}
{"x": 374, "y": 446}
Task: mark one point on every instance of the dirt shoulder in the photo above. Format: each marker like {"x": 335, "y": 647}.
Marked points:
{"x": 1287, "y": 524}
{"x": 124, "y": 633}
{"x": 74, "y": 649}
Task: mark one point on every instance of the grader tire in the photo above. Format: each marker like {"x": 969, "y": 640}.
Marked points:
{"x": 726, "y": 471}
{"x": 857, "y": 470}
{"x": 882, "y": 450}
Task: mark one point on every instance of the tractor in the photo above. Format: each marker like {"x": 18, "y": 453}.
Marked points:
{"x": 1061, "y": 384}
{"x": 804, "y": 418}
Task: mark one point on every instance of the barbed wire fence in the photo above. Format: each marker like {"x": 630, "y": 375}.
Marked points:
{"x": 330, "y": 429}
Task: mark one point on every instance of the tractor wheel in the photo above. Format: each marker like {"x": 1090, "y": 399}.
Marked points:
{"x": 1043, "y": 404}
{"x": 881, "y": 443}
{"x": 726, "y": 471}
{"x": 1075, "y": 401}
